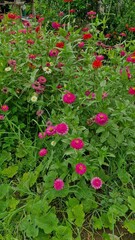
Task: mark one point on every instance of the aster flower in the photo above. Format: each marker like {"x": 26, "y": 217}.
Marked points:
{"x": 7, "y": 69}
{"x": 81, "y": 44}
{"x": 53, "y": 53}
{"x": 56, "y": 25}
{"x": 87, "y": 36}
{"x": 62, "y": 128}
{"x": 80, "y": 168}
{"x": 39, "y": 113}
{"x": 34, "y": 98}
{"x": 96, "y": 182}
{"x": 101, "y": 119}
{"x": 41, "y": 80}
{"x": 77, "y": 143}
{"x": 58, "y": 184}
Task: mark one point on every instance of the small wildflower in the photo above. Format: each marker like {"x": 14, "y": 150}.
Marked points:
{"x": 69, "y": 98}
{"x": 4, "y": 108}
{"x": 53, "y": 143}
{"x": 34, "y": 98}
{"x": 47, "y": 70}
{"x": 51, "y": 130}
{"x": 58, "y": 184}
{"x": 96, "y": 182}
{"x": 101, "y": 119}
{"x": 43, "y": 152}
{"x": 131, "y": 91}
{"x": 62, "y": 128}
{"x": 80, "y": 168}
{"x": 77, "y": 143}
{"x": 41, "y": 135}
{"x": 2, "y": 117}
{"x": 7, "y": 69}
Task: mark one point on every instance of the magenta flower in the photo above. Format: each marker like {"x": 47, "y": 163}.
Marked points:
{"x": 62, "y": 128}
{"x": 53, "y": 53}
{"x": 4, "y": 108}
{"x": 51, "y": 130}
{"x": 91, "y": 13}
{"x": 122, "y": 53}
{"x": 80, "y": 168}
{"x": 69, "y": 98}
{"x": 77, "y": 143}
{"x": 101, "y": 119}
{"x": 56, "y": 25}
{"x": 100, "y": 57}
{"x": 131, "y": 91}
{"x": 30, "y": 41}
{"x": 87, "y": 93}
{"x": 58, "y": 184}
{"x": 81, "y": 44}
{"x": 2, "y": 117}
{"x": 43, "y": 152}
{"x": 96, "y": 182}
{"x": 41, "y": 135}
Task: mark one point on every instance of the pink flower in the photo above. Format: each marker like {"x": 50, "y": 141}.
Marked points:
{"x": 12, "y": 63}
{"x": 53, "y": 53}
{"x": 100, "y": 57}
{"x": 2, "y": 117}
{"x": 104, "y": 95}
{"x": 4, "y": 108}
{"x": 41, "y": 80}
{"x": 87, "y": 92}
{"x": 43, "y": 152}
{"x": 96, "y": 182}
{"x": 41, "y": 135}
{"x": 30, "y": 41}
{"x": 93, "y": 95}
{"x": 101, "y": 119}
{"x": 81, "y": 44}
{"x": 131, "y": 91}
{"x": 39, "y": 113}
{"x": 26, "y": 23}
{"x": 77, "y": 143}
{"x": 32, "y": 56}
{"x": 122, "y": 53}
{"x": 69, "y": 98}
{"x": 40, "y": 20}
{"x": 56, "y": 25}
{"x": 24, "y": 31}
{"x": 91, "y": 13}
{"x": 62, "y": 128}
{"x": 61, "y": 14}
{"x": 80, "y": 168}
{"x": 123, "y": 34}
{"x": 51, "y": 130}
{"x": 58, "y": 184}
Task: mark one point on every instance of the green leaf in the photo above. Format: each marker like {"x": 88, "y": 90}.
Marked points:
{"x": 64, "y": 232}
{"x": 4, "y": 189}
{"x": 47, "y": 222}
{"x": 10, "y": 171}
{"x": 29, "y": 227}
{"x": 97, "y": 223}
{"x": 131, "y": 201}
{"x": 79, "y": 215}
{"x": 130, "y": 225}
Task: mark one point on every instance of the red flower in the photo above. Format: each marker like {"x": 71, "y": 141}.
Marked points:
{"x": 11, "y": 15}
{"x": 37, "y": 29}
{"x": 30, "y": 41}
{"x": 131, "y": 29}
{"x": 87, "y": 36}
{"x": 60, "y": 44}
{"x": 72, "y": 11}
{"x": 97, "y": 64}
{"x": 68, "y": 0}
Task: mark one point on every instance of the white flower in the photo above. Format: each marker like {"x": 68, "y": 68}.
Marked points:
{"x": 47, "y": 70}
{"x": 34, "y": 98}
{"x": 7, "y": 69}
{"x": 53, "y": 143}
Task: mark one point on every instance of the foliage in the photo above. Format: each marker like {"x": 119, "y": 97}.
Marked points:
{"x": 31, "y": 205}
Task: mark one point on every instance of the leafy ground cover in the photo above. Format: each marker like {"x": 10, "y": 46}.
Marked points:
{"x": 67, "y": 130}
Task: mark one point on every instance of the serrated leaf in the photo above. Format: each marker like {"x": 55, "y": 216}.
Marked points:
{"x": 48, "y": 222}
